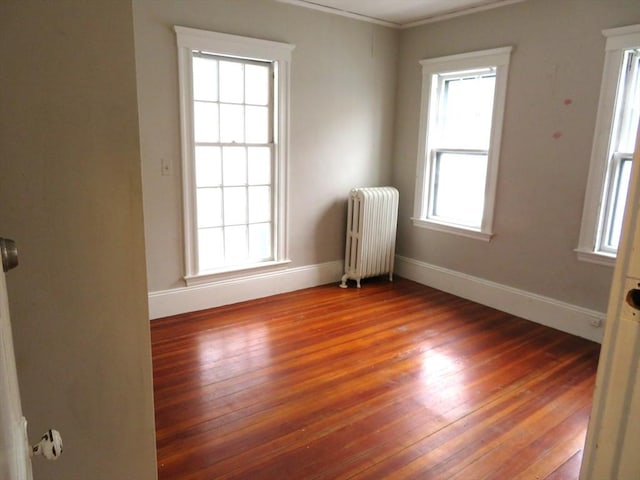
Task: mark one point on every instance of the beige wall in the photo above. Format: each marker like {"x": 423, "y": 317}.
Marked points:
{"x": 558, "y": 55}
{"x": 70, "y": 195}
{"x": 342, "y": 109}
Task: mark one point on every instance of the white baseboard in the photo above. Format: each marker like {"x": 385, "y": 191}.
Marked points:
{"x": 537, "y": 308}
{"x": 200, "y": 297}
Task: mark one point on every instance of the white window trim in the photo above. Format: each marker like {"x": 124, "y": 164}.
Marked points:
{"x": 189, "y": 39}
{"x": 618, "y": 40}
{"x": 499, "y": 58}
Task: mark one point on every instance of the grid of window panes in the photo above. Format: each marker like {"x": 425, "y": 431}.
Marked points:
{"x": 459, "y": 146}
{"x": 623, "y": 140}
{"x": 233, "y": 132}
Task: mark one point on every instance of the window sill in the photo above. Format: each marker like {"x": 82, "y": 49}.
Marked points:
{"x": 599, "y": 258}
{"x": 233, "y": 273}
{"x": 454, "y": 229}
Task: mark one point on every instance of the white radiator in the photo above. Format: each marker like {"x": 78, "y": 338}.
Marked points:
{"x": 372, "y": 218}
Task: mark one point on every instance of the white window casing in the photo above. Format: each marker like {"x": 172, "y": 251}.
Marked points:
{"x": 607, "y": 162}
{"x": 494, "y": 60}
{"x": 191, "y": 40}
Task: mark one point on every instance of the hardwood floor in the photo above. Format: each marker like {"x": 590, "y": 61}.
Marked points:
{"x": 392, "y": 381}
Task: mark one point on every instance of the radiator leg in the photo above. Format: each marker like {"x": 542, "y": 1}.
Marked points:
{"x": 390, "y": 277}
{"x": 358, "y": 281}
{"x": 344, "y": 281}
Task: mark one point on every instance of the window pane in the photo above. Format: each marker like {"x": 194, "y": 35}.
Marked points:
{"x": 205, "y": 122}
{"x": 458, "y": 188}
{"x": 628, "y": 102}
{"x": 235, "y": 242}
{"x": 209, "y": 206}
{"x": 260, "y": 241}
{"x": 259, "y": 204}
{"x": 205, "y": 79}
{"x": 235, "y": 205}
{"x": 257, "y": 124}
{"x": 259, "y": 165}
{"x": 231, "y": 123}
{"x": 208, "y": 167}
{"x": 210, "y": 249}
{"x": 231, "y": 82}
{"x": 234, "y": 167}
{"x": 257, "y": 84}
{"x": 466, "y": 112}
{"x": 619, "y": 201}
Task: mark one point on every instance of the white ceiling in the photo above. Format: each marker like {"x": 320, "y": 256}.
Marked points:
{"x": 400, "y": 13}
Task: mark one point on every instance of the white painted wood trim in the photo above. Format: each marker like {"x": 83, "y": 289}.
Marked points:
{"x": 342, "y": 13}
{"x": 596, "y": 257}
{"x": 189, "y": 39}
{"x": 236, "y": 45}
{"x": 498, "y": 58}
{"x": 611, "y": 447}
{"x": 189, "y": 299}
{"x": 468, "y": 60}
{"x": 15, "y": 460}
{"x": 460, "y": 13}
{"x": 447, "y": 228}
{"x": 537, "y": 308}
{"x": 377, "y": 21}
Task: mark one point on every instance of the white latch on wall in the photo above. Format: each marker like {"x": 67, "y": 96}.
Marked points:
{"x": 49, "y": 446}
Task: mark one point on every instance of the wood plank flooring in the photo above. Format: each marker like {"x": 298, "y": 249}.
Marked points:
{"x": 390, "y": 381}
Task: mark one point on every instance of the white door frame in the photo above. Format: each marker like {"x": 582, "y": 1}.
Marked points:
{"x": 15, "y": 461}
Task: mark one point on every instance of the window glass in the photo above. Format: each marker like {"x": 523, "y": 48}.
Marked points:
{"x": 208, "y": 166}
{"x": 458, "y": 188}
{"x": 231, "y": 82}
{"x": 629, "y": 101}
{"x": 465, "y": 111}
{"x": 256, "y": 85}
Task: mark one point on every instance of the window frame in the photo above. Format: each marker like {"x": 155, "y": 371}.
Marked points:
{"x": 234, "y": 46}
{"x": 605, "y": 163}
{"x": 498, "y": 59}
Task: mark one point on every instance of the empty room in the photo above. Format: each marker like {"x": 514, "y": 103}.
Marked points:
{"x": 188, "y": 183}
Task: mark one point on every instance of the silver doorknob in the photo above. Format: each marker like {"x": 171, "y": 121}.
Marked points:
{"x": 9, "y": 253}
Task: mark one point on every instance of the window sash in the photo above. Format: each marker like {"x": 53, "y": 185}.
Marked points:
{"x": 478, "y": 183}
{"x": 614, "y": 202}
{"x": 236, "y": 247}
{"x": 627, "y": 102}
{"x": 440, "y": 121}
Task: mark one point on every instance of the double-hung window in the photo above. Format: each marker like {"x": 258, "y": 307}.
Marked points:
{"x": 613, "y": 147}
{"x": 234, "y": 122}
{"x": 461, "y": 122}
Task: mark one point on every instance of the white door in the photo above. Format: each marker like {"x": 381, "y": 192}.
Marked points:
{"x": 15, "y": 462}
{"x": 613, "y": 440}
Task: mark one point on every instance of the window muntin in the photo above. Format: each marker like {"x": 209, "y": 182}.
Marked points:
{"x": 461, "y": 122}
{"x": 234, "y": 95}
{"x": 614, "y": 144}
